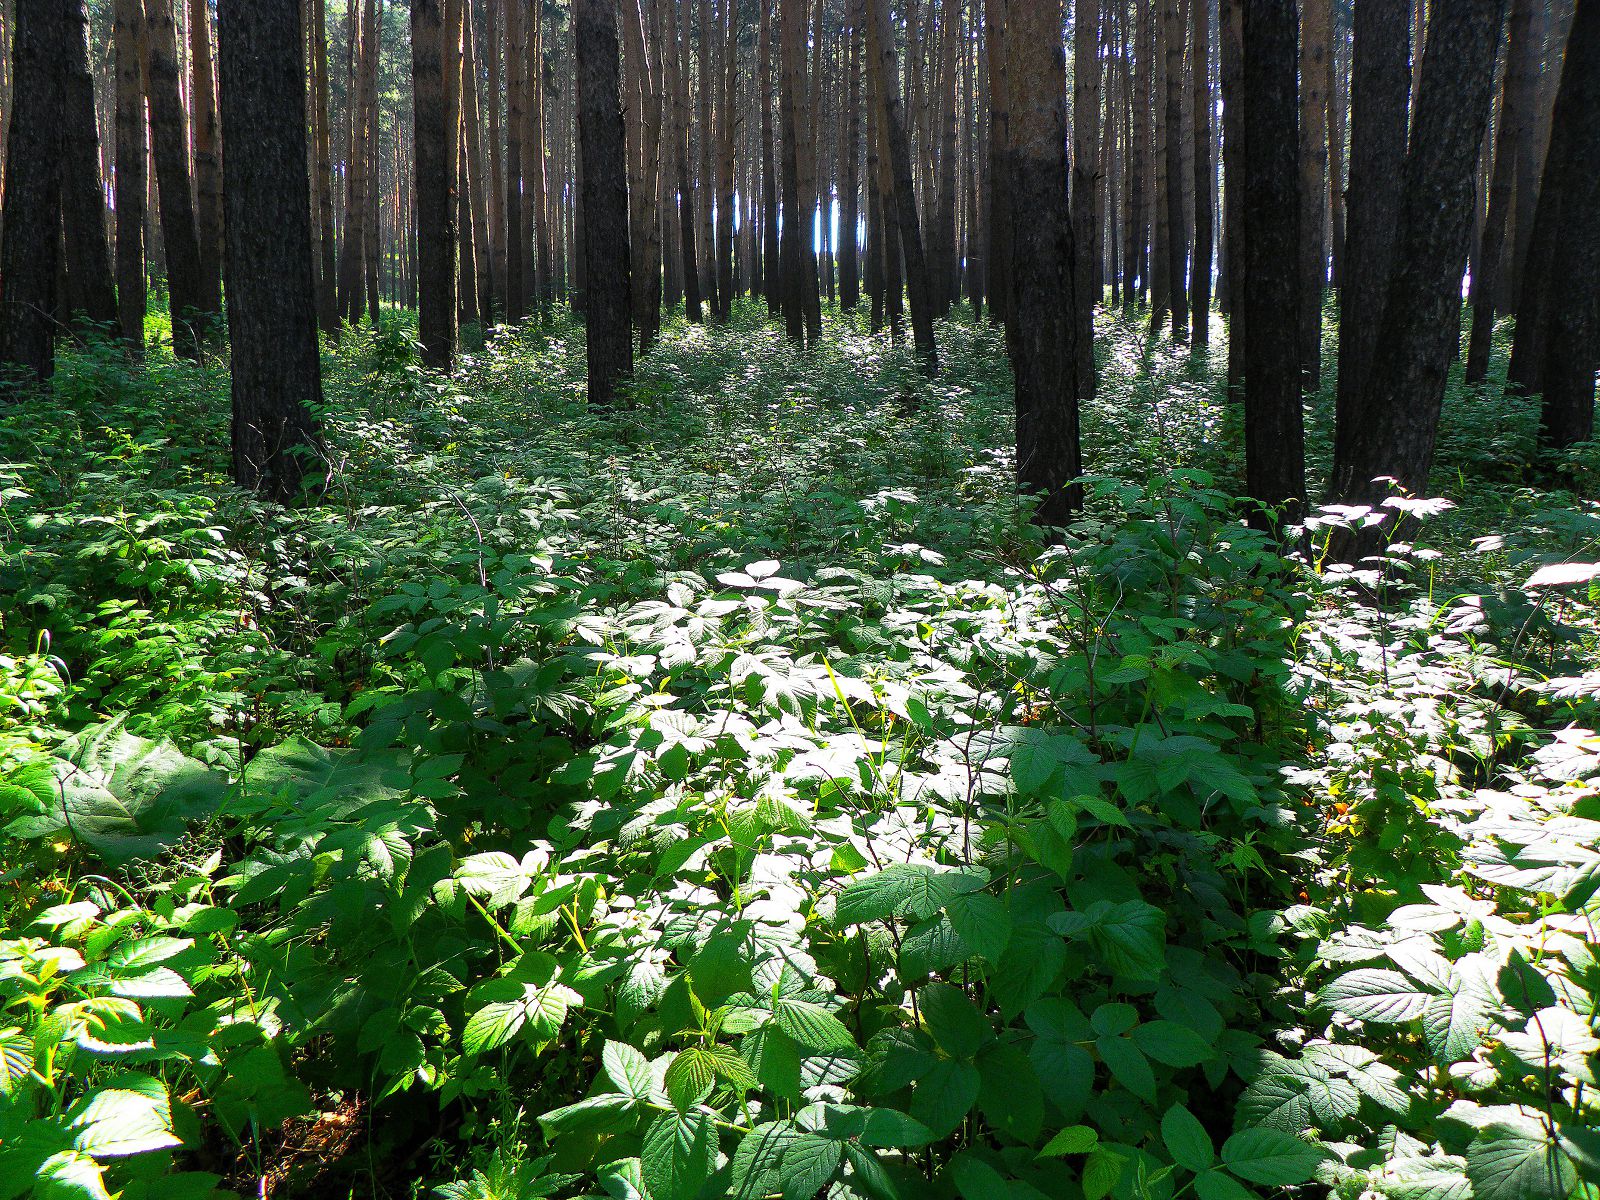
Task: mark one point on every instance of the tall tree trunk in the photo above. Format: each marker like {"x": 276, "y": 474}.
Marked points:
{"x": 1086, "y": 157}
{"x": 272, "y": 314}
{"x": 1042, "y": 334}
{"x": 1338, "y": 100}
{"x": 999, "y": 256}
{"x": 1554, "y": 273}
{"x": 536, "y": 268}
{"x": 83, "y": 199}
{"x": 1313, "y": 184}
{"x": 477, "y": 186}
{"x": 643, "y": 128}
{"x": 1380, "y": 87}
{"x": 169, "y": 144}
{"x": 1174, "y": 37}
{"x": 1565, "y": 247}
{"x": 795, "y": 227}
{"x": 132, "y": 154}
{"x": 433, "y": 60}
{"x": 706, "y": 192}
{"x": 29, "y": 234}
{"x": 516, "y": 92}
{"x": 1160, "y": 199}
{"x": 850, "y": 174}
{"x": 881, "y": 39}
{"x": 493, "y": 58}
{"x": 322, "y": 179}
{"x": 207, "y": 157}
{"x": 1269, "y": 285}
{"x": 727, "y": 196}
{"x": 1511, "y": 139}
{"x": 605, "y": 204}
{"x": 771, "y": 250}
{"x": 806, "y": 125}
{"x": 1204, "y": 232}
{"x": 678, "y": 91}
{"x": 355, "y": 196}
{"x": 1417, "y": 340}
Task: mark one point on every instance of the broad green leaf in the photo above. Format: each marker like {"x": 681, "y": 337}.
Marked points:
{"x": 977, "y": 1180}
{"x": 1443, "y": 1177}
{"x": 959, "y": 1029}
{"x": 1075, "y": 1139}
{"x": 1270, "y": 1157}
{"x": 596, "y": 1114}
{"x": 1186, "y": 1139}
{"x": 70, "y": 1175}
{"x": 1374, "y": 994}
{"x": 809, "y": 1163}
{"x": 1101, "y": 1172}
{"x": 1173, "y": 1044}
{"x": 756, "y": 1163}
{"x": 678, "y": 1154}
{"x": 814, "y": 1027}
{"x": 130, "y": 1115}
{"x": 944, "y": 1094}
{"x": 914, "y": 890}
{"x": 628, "y": 1070}
{"x": 1505, "y": 1164}
{"x": 982, "y": 922}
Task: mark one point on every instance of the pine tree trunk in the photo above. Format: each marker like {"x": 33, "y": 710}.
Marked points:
{"x": 678, "y": 87}
{"x": 83, "y": 204}
{"x": 771, "y": 251}
{"x": 207, "y": 157}
{"x": 29, "y": 235}
{"x": 477, "y": 189}
{"x": 1380, "y": 86}
{"x": 355, "y": 196}
{"x": 727, "y": 196}
{"x": 130, "y": 182}
{"x": 1204, "y": 231}
{"x": 603, "y": 153}
{"x": 1313, "y": 184}
{"x": 322, "y": 180}
{"x": 1173, "y": 38}
{"x": 806, "y": 163}
{"x": 169, "y": 144}
{"x": 792, "y": 14}
{"x": 1086, "y": 157}
{"x": 706, "y": 191}
{"x": 1418, "y": 337}
{"x": 1041, "y": 339}
{"x": 1511, "y": 139}
{"x": 272, "y": 314}
{"x": 433, "y": 59}
{"x": 881, "y": 36}
{"x": 850, "y": 174}
{"x": 1269, "y": 284}
{"x": 1568, "y": 220}
{"x": 999, "y": 256}
{"x": 516, "y": 51}
{"x": 1338, "y": 99}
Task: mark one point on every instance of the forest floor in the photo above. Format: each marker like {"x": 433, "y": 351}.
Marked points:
{"x": 732, "y": 794}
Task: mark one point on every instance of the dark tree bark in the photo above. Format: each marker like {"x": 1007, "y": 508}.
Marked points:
{"x": 1315, "y": 15}
{"x": 771, "y": 250}
{"x": 1511, "y": 139}
{"x": 999, "y": 222}
{"x": 727, "y": 197}
{"x": 1086, "y": 158}
{"x": 272, "y": 311}
{"x": 1043, "y": 334}
{"x": 850, "y": 175}
{"x": 132, "y": 153}
{"x": 793, "y": 250}
{"x": 1269, "y": 285}
{"x": 516, "y": 90}
{"x": 83, "y": 203}
{"x": 436, "y": 128}
{"x": 1172, "y": 32}
{"x": 1204, "y": 231}
{"x": 207, "y": 157}
{"x": 605, "y": 201}
{"x": 1421, "y": 317}
{"x": 1380, "y": 89}
{"x": 30, "y": 240}
{"x": 1559, "y": 318}
{"x": 322, "y": 180}
{"x": 169, "y": 145}
{"x": 881, "y": 39}
{"x": 678, "y": 94}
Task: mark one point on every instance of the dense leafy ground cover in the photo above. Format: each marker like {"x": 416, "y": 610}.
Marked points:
{"x": 733, "y": 795}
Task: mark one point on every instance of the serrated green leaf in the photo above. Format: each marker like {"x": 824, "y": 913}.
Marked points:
{"x": 678, "y": 1154}
{"x": 1374, "y": 994}
{"x": 1075, "y": 1139}
{"x": 1186, "y": 1139}
{"x": 1270, "y": 1157}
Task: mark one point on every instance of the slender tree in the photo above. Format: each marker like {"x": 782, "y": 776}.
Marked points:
{"x": 1314, "y": 20}
{"x": 880, "y": 35}
{"x": 999, "y": 216}
{"x": 322, "y": 175}
{"x": 29, "y": 238}
{"x": 1558, "y": 322}
{"x": 1204, "y": 184}
{"x": 83, "y": 202}
{"x": 850, "y": 174}
{"x": 1511, "y": 140}
{"x": 1269, "y": 289}
{"x": 605, "y": 207}
{"x": 1041, "y": 337}
{"x": 132, "y": 151}
{"x": 1417, "y": 339}
{"x": 180, "y": 242}
{"x": 207, "y": 156}
{"x": 272, "y": 313}
{"x": 1086, "y": 157}
{"x": 1172, "y": 41}
{"x": 437, "y": 124}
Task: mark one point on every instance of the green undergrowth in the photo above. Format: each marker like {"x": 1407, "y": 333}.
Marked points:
{"x": 733, "y": 795}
